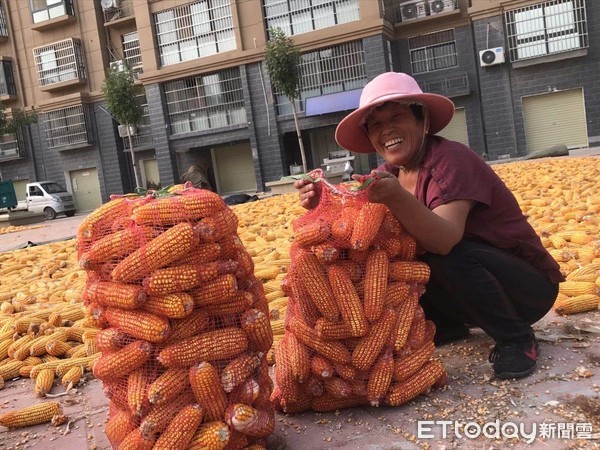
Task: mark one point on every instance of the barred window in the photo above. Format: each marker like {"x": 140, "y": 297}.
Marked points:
{"x": 3, "y": 23}
{"x": 68, "y": 126}
{"x": 326, "y": 71}
{"x": 301, "y": 16}
{"x": 42, "y": 10}
{"x": 7, "y": 81}
{"x": 12, "y": 145}
{"x": 194, "y": 30}
{"x": 546, "y": 28}
{"x": 131, "y": 49}
{"x": 205, "y": 102}
{"x": 433, "y": 51}
{"x": 58, "y": 62}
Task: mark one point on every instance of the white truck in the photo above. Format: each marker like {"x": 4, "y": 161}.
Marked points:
{"x": 49, "y": 198}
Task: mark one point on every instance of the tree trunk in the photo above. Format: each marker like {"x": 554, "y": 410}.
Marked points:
{"x": 135, "y": 171}
{"x": 293, "y": 101}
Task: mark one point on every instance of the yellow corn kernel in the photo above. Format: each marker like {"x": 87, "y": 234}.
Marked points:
{"x": 31, "y": 415}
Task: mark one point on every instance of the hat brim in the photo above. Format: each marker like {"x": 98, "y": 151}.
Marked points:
{"x": 351, "y": 134}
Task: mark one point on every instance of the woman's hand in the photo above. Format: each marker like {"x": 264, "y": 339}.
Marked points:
{"x": 385, "y": 187}
{"x": 309, "y": 193}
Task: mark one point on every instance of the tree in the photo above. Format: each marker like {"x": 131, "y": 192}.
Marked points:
{"x": 283, "y": 64}
{"x": 122, "y": 98}
{"x": 18, "y": 119}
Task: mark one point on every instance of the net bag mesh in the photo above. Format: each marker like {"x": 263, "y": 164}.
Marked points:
{"x": 355, "y": 333}
{"x": 184, "y": 322}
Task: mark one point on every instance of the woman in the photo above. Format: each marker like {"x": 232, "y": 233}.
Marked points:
{"x": 488, "y": 266}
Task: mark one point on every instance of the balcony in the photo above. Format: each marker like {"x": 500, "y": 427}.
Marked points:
{"x": 8, "y": 90}
{"x": 60, "y": 65}
{"x": 404, "y": 12}
{"x": 12, "y": 146}
{"x": 455, "y": 86}
{"x": 117, "y": 11}
{"x": 47, "y": 14}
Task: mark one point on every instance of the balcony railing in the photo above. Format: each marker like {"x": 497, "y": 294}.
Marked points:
{"x": 143, "y": 138}
{"x": 121, "y": 9}
{"x": 12, "y": 146}
{"x": 60, "y": 62}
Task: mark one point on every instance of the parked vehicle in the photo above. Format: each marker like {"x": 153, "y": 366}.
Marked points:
{"x": 45, "y": 197}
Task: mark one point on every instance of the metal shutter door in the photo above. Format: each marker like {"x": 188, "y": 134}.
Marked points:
{"x": 86, "y": 189}
{"x": 456, "y": 130}
{"x": 235, "y": 169}
{"x": 555, "y": 118}
{"x": 150, "y": 168}
{"x": 21, "y": 189}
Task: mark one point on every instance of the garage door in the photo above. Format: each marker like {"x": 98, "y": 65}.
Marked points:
{"x": 150, "y": 174}
{"x": 456, "y": 130}
{"x": 555, "y": 118}
{"x": 86, "y": 189}
{"x": 21, "y": 189}
{"x": 234, "y": 169}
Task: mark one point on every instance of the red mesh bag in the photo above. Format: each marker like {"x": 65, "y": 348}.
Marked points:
{"x": 355, "y": 333}
{"x": 185, "y": 323}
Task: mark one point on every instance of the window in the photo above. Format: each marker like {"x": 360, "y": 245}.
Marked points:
{"x": 546, "y": 28}
{"x": 131, "y": 49}
{"x": 326, "y": 71}
{"x": 42, "y": 10}
{"x": 3, "y": 24}
{"x": 62, "y": 61}
{"x": 68, "y": 126}
{"x": 7, "y": 81}
{"x": 301, "y": 16}
{"x": 193, "y": 31}
{"x": 433, "y": 51}
{"x": 205, "y": 102}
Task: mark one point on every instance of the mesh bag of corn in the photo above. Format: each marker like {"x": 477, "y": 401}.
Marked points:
{"x": 355, "y": 333}
{"x": 184, "y": 322}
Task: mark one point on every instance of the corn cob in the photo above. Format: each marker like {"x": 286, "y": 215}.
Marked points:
{"x": 326, "y": 253}
{"x": 337, "y": 387}
{"x": 573, "y": 288}
{"x": 121, "y": 362}
{"x": 10, "y": 369}
{"x": 346, "y": 371}
{"x": 298, "y": 358}
{"x": 247, "y": 392}
{"x": 159, "y": 416}
{"x": 31, "y": 415}
{"x": 327, "y": 403}
{"x": 380, "y": 378}
{"x": 577, "y": 304}
{"x": 376, "y": 274}
{"x": 333, "y": 330}
{"x": 284, "y": 376}
{"x": 168, "y": 386}
{"x": 111, "y": 339}
{"x": 216, "y": 227}
{"x": 258, "y": 329}
{"x": 204, "y": 253}
{"x": 341, "y": 231}
{"x": 208, "y": 391}
{"x": 179, "y": 208}
{"x": 311, "y": 233}
{"x": 314, "y": 386}
{"x": 139, "y": 324}
{"x": 22, "y": 324}
{"x": 316, "y": 284}
{"x": 369, "y": 346}
{"x": 180, "y": 431}
{"x": 57, "y": 348}
{"x": 238, "y": 370}
{"x": 73, "y": 376}
{"x": 417, "y": 384}
{"x": 210, "y": 436}
{"x": 119, "y": 295}
{"x": 396, "y": 293}
{"x": 417, "y": 332}
{"x": 176, "y": 305}
{"x": 407, "y": 366}
{"x": 167, "y": 247}
{"x": 96, "y": 315}
{"x": 239, "y": 303}
{"x": 406, "y": 313}
{"x": 44, "y": 382}
{"x": 215, "y": 291}
{"x": 335, "y": 351}
{"x": 186, "y": 276}
{"x": 116, "y": 245}
{"x": 75, "y": 333}
{"x": 66, "y": 364}
{"x": 321, "y": 367}
{"x": 237, "y": 440}
{"x": 250, "y": 421}
{"x": 137, "y": 388}
{"x": 190, "y": 326}
{"x": 409, "y": 271}
{"x": 213, "y": 345}
{"x": 119, "y": 425}
{"x": 100, "y": 219}
{"x": 370, "y": 218}
{"x": 347, "y": 300}
{"x": 301, "y": 302}
{"x": 137, "y": 441}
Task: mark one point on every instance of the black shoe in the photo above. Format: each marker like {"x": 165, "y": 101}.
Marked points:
{"x": 514, "y": 359}
{"x": 446, "y": 335}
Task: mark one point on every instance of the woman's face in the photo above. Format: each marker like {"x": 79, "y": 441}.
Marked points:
{"x": 395, "y": 133}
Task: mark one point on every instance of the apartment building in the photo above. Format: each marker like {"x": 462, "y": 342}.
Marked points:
{"x": 522, "y": 73}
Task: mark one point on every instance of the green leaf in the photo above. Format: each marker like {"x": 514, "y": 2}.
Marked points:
{"x": 283, "y": 63}
{"x": 122, "y": 97}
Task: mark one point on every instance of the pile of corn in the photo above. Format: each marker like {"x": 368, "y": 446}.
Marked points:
{"x": 185, "y": 323}
{"x": 561, "y": 199}
{"x": 15, "y": 229}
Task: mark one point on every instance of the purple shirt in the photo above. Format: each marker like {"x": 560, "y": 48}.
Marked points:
{"x": 452, "y": 171}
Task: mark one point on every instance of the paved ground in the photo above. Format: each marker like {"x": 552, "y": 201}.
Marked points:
{"x": 561, "y": 399}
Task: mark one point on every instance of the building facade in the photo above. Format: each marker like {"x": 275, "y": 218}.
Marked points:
{"x": 522, "y": 74}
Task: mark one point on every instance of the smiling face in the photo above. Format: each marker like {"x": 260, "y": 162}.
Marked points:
{"x": 395, "y": 132}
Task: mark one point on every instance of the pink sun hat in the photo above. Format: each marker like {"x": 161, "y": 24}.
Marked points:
{"x": 390, "y": 87}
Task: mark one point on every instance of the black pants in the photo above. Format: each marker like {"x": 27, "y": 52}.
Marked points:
{"x": 484, "y": 286}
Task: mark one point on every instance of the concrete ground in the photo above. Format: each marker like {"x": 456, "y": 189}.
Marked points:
{"x": 558, "y": 407}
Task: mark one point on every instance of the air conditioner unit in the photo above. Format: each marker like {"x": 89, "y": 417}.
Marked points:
{"x": 136, "y": 72}
{"x": 440, "y": 6}
{"x": 109, "y": 4}
{"x": 491, "y": 56}
{"x": 412, "y": 10}
{"x": 123, "y": 130}
{"x": 117, "y": 66}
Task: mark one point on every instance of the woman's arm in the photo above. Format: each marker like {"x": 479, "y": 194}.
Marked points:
{"x": 437, "y": 231}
